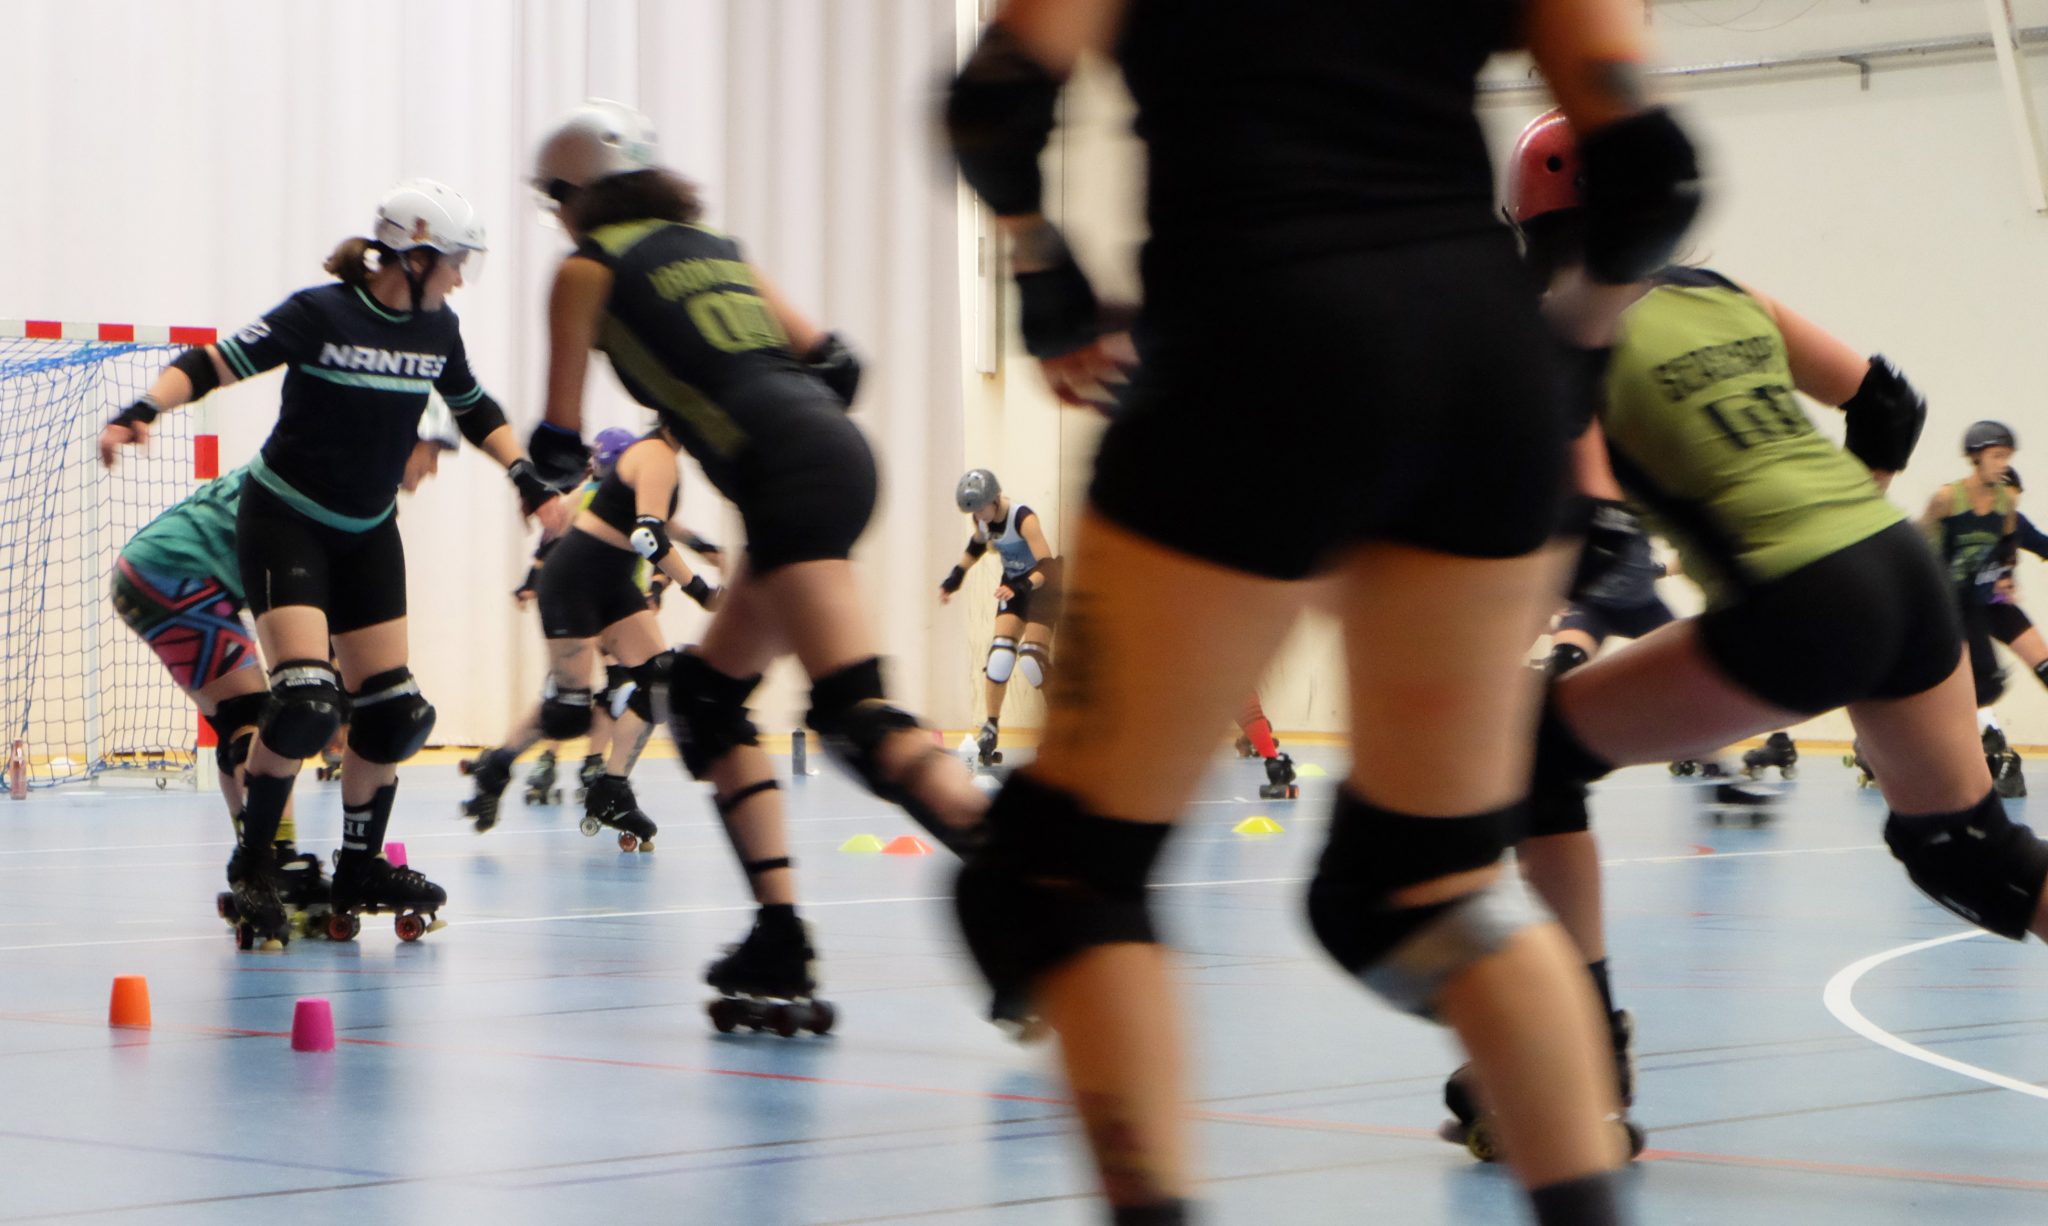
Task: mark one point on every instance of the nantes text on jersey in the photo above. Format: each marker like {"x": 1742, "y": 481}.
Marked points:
{"x": 358, "y": 381}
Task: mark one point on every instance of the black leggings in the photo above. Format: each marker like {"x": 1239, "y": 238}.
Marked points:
{"x": 356, "y": 578}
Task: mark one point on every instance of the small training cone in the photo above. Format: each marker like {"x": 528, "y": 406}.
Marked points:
{"x": 395, "y": 853}
{"x": 1258, "y": 825}
{"x": 313, "y": 1025}
{"x": 130, "y": 1004}
{"x": 906, "y": 845}
{"x": 938, "y": 738}
{"x": 862, "y": 844}
{"x": 1309, "y": 770}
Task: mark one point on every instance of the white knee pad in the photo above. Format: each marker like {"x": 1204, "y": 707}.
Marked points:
{"x": 1002, "y": 657}
{"x": 1031, "y": 662}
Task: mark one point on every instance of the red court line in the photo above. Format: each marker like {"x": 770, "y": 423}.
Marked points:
{"x": 1803, "y": 1166}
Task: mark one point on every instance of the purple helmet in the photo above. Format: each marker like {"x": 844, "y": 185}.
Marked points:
{"x": 611, "y": 444}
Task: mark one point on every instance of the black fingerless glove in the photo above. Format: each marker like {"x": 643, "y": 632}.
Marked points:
{"x": 533, "y": 492}
{"x": 699, "y": 591}
{"x": 954, "y": 578}
{"x": 144, "y": 410}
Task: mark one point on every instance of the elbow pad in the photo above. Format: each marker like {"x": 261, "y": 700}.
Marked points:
{"x": 998, "y": 115}
{"x": 478, "y": 420}
{"x": 198, "y": 367}
{"x": 1885, "y": 417}
{"x": 649, "y": 538}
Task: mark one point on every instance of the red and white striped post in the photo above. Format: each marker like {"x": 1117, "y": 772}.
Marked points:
{"x": 205, "y": 443}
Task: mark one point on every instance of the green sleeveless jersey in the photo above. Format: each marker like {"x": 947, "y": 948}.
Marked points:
{"x": 1710, "y": 443}
{"x": 1967, "y": 540}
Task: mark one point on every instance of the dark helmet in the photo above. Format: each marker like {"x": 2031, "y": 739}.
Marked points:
{"x": 1983, "y": 434}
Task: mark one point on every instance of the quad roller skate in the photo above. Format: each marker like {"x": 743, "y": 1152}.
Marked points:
{"x": 985, "y": 751}
{"x": 2006, "y": 775}
{"x": 1471, "y": 1127}
{"x": 1014, "y": 1015}
{"x": 1736, "y": 804}
{"x": 765, "y": 981}
{"x": 540, "y": 783}
{"x": 1777, "y": 750}
{"x": 1865, "y": 777}
{"x": 252, "y": 904}
{"x": 590, "y": 772}
{"x": 492, "y": 772}
{"x": 1279, "y": 784}
{"x": 301, "y": 885}
{"x": 373, "y": 885}
{"x": 610, "y": 802}
{"x": 1704, "y": 768}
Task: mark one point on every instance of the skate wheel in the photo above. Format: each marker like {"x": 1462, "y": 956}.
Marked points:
{"x": 1788, "y": 772}
{"x": 725, "y": 1015}
{"x": 409, "y": 927}
{"x": 646, "y": 845}
{"x": 783, "y": 1020}
{"x": 1480, "y": 1142}
{"x": 224, "y": 906}
{"x": 466, "y": 767}
{"x": 822, "y": 1017}
{"x": 161, "y": 784}
{"x": 245, "y": 937}
{"x": 590, "y": 826}
{"x": 1678, "y": 770}
{"x": 342, "y": 926}
{"x": 628, "y": 841}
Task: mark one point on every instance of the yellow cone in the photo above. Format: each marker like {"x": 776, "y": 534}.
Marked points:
{"x": 1258, "y": 825}
{"x": 1309, "y": 770}
{"x": 864, "y": 844}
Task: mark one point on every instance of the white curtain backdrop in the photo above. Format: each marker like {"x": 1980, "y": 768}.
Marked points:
{"x": 192, "y": 162}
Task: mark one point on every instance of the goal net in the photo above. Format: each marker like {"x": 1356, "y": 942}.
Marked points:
{"x": 80, "y": 690}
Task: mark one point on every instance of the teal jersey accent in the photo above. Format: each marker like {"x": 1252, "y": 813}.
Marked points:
{"x": 195, "y": 538}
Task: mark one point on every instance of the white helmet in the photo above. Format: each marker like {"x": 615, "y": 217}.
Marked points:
{"x": 599, "y": 139}
{"x": 424, "y": 213}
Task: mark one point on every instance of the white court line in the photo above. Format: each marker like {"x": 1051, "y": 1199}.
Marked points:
{"x": 1843, "y": 985}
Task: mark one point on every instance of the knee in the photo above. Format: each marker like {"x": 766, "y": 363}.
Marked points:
{"x": 707, "y": 711}
{"x": 304, "y": 709}
{"x": 235, "y": 721}
{"x": 1002, "y": 657}
{"x": 391, "y": 720}
{"x": 1564, "y": 766}
{"x": 1978, "y": 863}
{"x": 1034, "y": 661}
{"x": 1052, "y": 882}
{"x": 1408, "y": 953}
{"x": 565, "y": 712}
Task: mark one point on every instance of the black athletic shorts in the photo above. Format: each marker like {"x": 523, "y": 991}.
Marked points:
{"x": 1036, "y": 605}
{"x": 1286, "y": 410}
{"x": 2007, "y": 622}
{"x": 805, "y": 481}
{"x": 1599, "y": 620}
{"x": 586, "y": 586}
{"x": 288, "y": 558}
{"x": 1874, "y": 620}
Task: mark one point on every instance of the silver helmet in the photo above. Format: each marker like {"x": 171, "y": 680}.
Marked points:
{"x": 976, "y": 490}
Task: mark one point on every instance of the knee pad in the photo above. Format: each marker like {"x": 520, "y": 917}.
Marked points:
{"x": 391, "y": 721}
{"x": 707, "y": 711}
{"x": 1564, "y": 766}
{"x": 1564, "y": 657}
{"x": 1002, "y": 657}
{"x": 564, "y": 712}
{"x": 1977, "y": 863}
{"x": 304, "y": 709}
{"x": 1034, "y": 661}
{"x": 234, "y": 723}
{"x": 619, "y": 685}
{"x": 641, "y": 683}
{"x": 853, "y": 718}
{"x": 1052, "y": 882}
{"x": 1406, "y": 954}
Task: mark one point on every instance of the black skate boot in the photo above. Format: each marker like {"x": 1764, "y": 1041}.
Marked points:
{"x": 985, "y": 751}
{"x": 492, "y": 772}
{"x": 302, "y": 884}
{"x": 1777, "y": 750}
{"x": 590, "y": 772}
{"x": 1704, "y": 768}
{"x": 1865, "y": 777}
{"x": 1471, "y": 1127}
{"x": 372, "y": 884}
{"x": 610, "y": 802}
{"x": 540, "y": 782}
{"x": 2006, "y": 774}
{"x": 1013, "y": 1014}
{"x": 1742, "y": 804}
{"x": 765, "y": 981}
{"x": 252, "y": 904}
{"x": 1279, "y": 784}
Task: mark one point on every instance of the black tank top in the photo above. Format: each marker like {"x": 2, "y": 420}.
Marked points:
{"x": 616, "y": 504}
{"x": 1303, "y": 126}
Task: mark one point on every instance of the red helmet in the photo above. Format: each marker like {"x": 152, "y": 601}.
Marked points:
{"x": 1544, "y": 171}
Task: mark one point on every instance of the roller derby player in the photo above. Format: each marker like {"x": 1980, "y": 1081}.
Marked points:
{"x": 1329, "y": 161}
{"x": 594, "y": 596}
{"x": 318, "y": 541}
{"x": 1027, "y": 599}
{"x": 1975, "y": 525}
{"x": 759, "y": 396}
{"x": 1819, "y": 593}
{"x": 1255, "y": 740}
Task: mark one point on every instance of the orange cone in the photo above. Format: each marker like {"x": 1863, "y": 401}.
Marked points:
{"x": 905, "y": 845}
{"x": 130, "y": 1005}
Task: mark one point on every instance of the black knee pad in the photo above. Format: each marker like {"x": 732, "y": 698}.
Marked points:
{"x": 707, "y": 713}
{"x": 391, "y": 720}
{"x": 1407, "y": 954}
{"x": 1564, "y": 657}
{"x": 853, "y": 718}
{"x": 304, "y": 709}
{"x": 564, "y": 713}
{"x": 1564, "y": 766}
{"x": 1979, "y": 864}
{"x": 645, "y": 680}
{"x": 234, "y": 723}
{"x": 1051, "y": 882}
{"x": 618, "y": 679}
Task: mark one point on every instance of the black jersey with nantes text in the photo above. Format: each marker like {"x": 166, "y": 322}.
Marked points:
{"x": 1303, "y": 126}
{"x": 690, "y": 336}
{"x": 357, "y": 384}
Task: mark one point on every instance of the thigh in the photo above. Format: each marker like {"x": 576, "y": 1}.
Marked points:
{"x": 635, "y": 639}
{"x": 283, "y": 555}
{"x": 1924, "y": 749}
{"x": 571, "y": 662}
{"x": 192, "y": 624}
{"x": 1008, "y": 626}
{"x": 369, "y": 579}
{"x": 1662, "y": 697}
{"x": 746, "y": 635}
{"x": 369, "y": 650}
{"x": 1158, "y": 650}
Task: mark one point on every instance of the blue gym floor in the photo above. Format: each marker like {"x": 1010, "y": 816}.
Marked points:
{"x": 546, "y": 1057}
